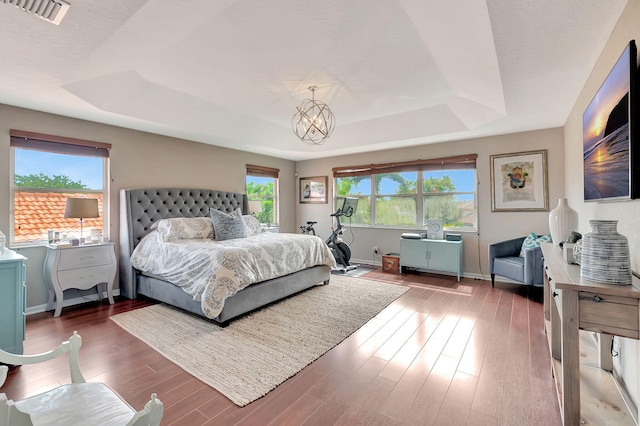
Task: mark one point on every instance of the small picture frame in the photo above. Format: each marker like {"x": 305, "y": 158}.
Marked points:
{"x": 519, "y": 182}
{"x": 313, "y": 189}
{"x": 435, "y": 229}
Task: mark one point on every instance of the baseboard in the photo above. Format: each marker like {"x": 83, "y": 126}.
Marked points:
{"x": 378, "y": 264}
{"x": 70, "y": 302}
{"x": 622, "y": 388}
{"x": 367, "y": 263}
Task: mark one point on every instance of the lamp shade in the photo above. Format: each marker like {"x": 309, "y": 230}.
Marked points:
{"x": 255, "y": 206}
{"x": 81, "y": 208}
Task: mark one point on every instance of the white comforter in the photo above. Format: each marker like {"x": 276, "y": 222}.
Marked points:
{"x": 211, "y": 271}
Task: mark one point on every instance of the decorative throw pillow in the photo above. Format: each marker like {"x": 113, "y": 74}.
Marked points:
{"x": 228, "y": 226}
{"x": 533, "y": 241}
{"x": 184, "y": 228}
{"x": 252, "y": 225}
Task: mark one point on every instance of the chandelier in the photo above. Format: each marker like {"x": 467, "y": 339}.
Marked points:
{"x": 313, "y": 121}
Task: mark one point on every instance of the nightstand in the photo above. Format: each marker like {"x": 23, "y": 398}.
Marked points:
{"x": 13, "y": 302}
{"x": 80, "y": 267}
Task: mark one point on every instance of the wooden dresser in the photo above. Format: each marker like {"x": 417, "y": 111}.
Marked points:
{"x": 587, "y": 392}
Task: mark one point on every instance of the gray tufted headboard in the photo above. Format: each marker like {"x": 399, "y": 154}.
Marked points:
{"x": 139, "y": 208}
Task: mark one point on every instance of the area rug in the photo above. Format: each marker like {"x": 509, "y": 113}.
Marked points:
{"x": 256, "y": 353}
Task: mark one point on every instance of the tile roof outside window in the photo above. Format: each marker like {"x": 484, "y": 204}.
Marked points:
{"x": 39, "y": 212}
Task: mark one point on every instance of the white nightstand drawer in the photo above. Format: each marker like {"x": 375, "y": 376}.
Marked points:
{"x": 85, "y": 278}
{"x": 73, "y": 258}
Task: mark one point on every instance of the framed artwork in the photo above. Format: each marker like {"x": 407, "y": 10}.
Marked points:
{"x": 435, "y": 229}
{"x": 609, "y": 125}
{"x": 313, "y": 189}
{"x": 519, "y": 182}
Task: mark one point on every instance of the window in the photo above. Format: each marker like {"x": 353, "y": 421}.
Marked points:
{"x": 396, "y": 198}
{"x": 450, "y": 195}
{"x": 359, "y": 187}
{"x": 46, "y": 171}
{"x": 262, "y": 186}
{"x": 407, "y": 194}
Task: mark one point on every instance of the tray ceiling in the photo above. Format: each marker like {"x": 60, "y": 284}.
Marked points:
{"x": 230, "y": 73}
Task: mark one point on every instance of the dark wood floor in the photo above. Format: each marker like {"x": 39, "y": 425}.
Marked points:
{"x": 444, "y": 353}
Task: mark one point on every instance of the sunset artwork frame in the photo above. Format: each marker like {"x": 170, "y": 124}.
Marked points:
{"x": 519, "y": 182}
{"x": 609, "y": 148}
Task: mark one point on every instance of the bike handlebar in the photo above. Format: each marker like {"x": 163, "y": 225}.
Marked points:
{"x": 339, "y": 213}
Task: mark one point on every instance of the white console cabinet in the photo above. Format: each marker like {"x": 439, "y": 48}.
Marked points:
{"x": 587, "y": 391}
{"x": 434, "y": 255}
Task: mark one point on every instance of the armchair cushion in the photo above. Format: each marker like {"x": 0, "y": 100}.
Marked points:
{"x": 532, "y": 241}
{"x": 510, "y": 267}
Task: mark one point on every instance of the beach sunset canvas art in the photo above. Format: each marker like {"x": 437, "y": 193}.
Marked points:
{"x": 607, "y": 131}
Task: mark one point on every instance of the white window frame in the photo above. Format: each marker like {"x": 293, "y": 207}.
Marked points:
{"x": 106, "y": 221}
{"x": 419, "y": 195}
{"x": 267, "y": 173}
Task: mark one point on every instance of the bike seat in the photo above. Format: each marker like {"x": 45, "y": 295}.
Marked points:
{"x": 311, "y": 223}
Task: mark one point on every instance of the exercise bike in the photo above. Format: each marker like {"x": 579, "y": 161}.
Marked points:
{"x": 340, "y": 250}
{"x": 308, "y": 228}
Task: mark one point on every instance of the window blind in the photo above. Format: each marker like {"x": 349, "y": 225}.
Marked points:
{"x": 262, "y": 171}
{"x": 467, "y": 161}
{"x": 58, "y": 144}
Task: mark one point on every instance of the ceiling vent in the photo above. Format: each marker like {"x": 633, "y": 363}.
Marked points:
{"x": 50, "y": 10}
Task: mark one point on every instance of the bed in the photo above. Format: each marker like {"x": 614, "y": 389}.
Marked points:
{"x": 141, "y": 208}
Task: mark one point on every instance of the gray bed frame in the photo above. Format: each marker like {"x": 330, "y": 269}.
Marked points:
{"x": 139, "y": 208}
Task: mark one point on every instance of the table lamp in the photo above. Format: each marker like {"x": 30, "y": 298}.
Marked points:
{"x": 255, "y": 206}
{"x": 81, "y": 208}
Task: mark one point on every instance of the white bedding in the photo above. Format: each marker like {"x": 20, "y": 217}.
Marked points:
{"x": 211, "y": 271}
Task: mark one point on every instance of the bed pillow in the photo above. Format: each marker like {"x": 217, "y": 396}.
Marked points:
{"x": 184, "y": 228}
{"x": 533, "y": 241}
{"x": 228, "y": 226}
{"x": 252, "y": 225}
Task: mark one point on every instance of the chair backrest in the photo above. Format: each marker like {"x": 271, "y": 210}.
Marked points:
{"x": 72, "y": 346}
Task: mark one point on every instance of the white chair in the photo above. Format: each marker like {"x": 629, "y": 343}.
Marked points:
{"x": 77, "y": 403}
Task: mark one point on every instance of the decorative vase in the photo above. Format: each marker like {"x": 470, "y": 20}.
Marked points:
{"x": 605, "y": 254}
{"x": 562, "y": 221}
{"x": 3, "y": 242}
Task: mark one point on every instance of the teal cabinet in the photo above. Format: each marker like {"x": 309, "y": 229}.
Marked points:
{"x": 433, "y": 255}
{"x": 13, "y": 301}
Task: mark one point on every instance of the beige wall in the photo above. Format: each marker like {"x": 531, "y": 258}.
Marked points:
{"x": 628, "y": 212}
{"x": 492, "y": 226}
{"x": 138, "y": 160}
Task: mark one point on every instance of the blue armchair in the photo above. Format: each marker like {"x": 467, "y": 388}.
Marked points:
{"x": 505, "y": 260}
